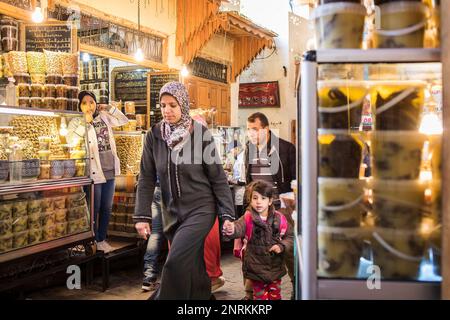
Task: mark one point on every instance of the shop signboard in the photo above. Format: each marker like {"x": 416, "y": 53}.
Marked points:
{"x": 54, "y": 36}
{"x": 129, "y": 84}
{"x": 156, "y": 80}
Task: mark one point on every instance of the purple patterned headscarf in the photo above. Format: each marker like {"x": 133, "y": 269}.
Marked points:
{"x": 175, "y": 133}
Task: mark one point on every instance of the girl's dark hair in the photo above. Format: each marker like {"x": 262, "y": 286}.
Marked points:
{"x": 263, "y": 188}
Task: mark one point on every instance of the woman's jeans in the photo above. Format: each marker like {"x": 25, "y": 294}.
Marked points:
{"x": 103, "y": 200}
{"x": 156, "y": 239}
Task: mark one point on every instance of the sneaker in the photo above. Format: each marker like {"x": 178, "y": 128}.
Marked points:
{"x": 149, "y": 284}
{"x": 217, "y": 283}
{"x": 104, "y": 246}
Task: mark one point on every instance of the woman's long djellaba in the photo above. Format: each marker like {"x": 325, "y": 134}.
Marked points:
{"x": 192, "y": 193}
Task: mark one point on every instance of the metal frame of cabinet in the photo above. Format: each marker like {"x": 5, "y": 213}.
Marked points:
{"x": 311, "y": 286}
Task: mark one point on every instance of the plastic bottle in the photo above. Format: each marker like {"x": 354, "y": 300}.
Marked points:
{"x": 11, "y": 93}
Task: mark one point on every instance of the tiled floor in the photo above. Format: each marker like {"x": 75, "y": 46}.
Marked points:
{"x": 126, "y": 285}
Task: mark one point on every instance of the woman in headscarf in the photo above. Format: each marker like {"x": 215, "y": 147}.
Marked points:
{"x": 181, "y": 152}
{"x": 104, "y": 162}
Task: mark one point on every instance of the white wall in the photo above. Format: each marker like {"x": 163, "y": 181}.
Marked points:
{"x": 272, "y": 15}
{"x": 293, "y": 33}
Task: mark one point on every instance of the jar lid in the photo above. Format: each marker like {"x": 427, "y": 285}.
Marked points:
{"x": 70, "y": 76}
{"x": 36, "y": 85}
{"x": 23, "y": 98}
{"x": 61, "y": 98}
{"x": 23, "y": 85}
{"x": 61, "y": 85}
{"x": 73, "y": 87}
{"x": 36, "y": 98}
{"x": 50, "y": 85}
{"x": 49, "y": 98}
{"x": 21, "y": 75}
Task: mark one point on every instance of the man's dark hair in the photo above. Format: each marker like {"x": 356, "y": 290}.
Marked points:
{"x": 261, "y": 116}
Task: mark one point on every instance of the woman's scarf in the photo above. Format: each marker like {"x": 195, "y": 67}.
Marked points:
{"x": 173, "y": 134}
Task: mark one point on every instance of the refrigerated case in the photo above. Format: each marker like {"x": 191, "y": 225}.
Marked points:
{"x": 44, "y": 182}
{"x": 371, "y": 131}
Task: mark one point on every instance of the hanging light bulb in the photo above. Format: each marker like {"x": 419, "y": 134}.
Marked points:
{"x": 63, "y": 128}
{"x": 184, "y": 71}
{"x": 139, "y": 55}
{"x": 86, "y": 57}
{"x": 37, "y": 15}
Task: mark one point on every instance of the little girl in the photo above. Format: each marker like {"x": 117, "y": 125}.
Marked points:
{"x": 268, "y": 237}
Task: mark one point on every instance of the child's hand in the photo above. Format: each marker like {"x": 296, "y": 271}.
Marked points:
{"x": 228, "y": 228}
{"x": 276, "y": 249}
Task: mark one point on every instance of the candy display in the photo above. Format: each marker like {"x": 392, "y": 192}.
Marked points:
{"x": 32, "y": 127}
{"x": 20, "y": 239}
{"x": 70, "y": 63}
{"x": 54, "y": 63}
{"x": 129, "y": 150}
{"x": 18, "y": 62}
{"x": 36, "y": 62}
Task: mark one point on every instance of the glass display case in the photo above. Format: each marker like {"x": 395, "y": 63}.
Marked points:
{"x": 230, "y": 141}
{"x": 371, "y": 168}
{"x": 41, "y": 146}
{"x": 44, "y": 171}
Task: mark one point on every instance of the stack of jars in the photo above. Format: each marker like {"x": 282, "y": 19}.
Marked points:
{"x": 44, "y": 156}
{"x": 9, "y": 34}
{"x": 393, "y": 24}
{"x": 341, "y": 204}
{"x": 130, "y": 112}
{"x": 398, "y": 192}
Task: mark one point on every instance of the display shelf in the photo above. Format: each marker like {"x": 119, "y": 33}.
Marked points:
{"x": 389, "y": 290}
{"x": 41, "y": 185}
{"x": 320, "y": 65}
{"x": 373, "y": 55}
{"x": 36, "y": 112}
{"x": 45, "y": 246}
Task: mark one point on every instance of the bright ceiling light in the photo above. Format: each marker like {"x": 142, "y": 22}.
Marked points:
{"x": 184, "y": 71}
{"x": 86, "y": 57}
{"x": 139, "y": 55}
{"x": 37, "y": 15}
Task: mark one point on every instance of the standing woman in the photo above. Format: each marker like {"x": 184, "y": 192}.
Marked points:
{"x": 178, "y": 150}
{"x": 104, "y": 163}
